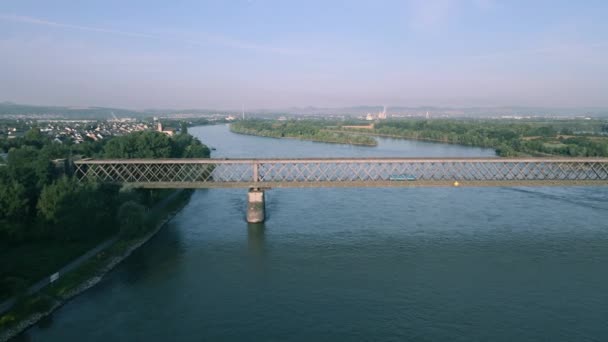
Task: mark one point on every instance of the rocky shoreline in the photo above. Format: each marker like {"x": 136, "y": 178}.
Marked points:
{"x": 87, "y": 284}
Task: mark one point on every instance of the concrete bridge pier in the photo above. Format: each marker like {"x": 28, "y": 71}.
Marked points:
{"x": 255, "y": 206}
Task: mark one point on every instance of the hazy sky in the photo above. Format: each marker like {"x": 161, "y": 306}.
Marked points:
{"x": 272, "y": 54}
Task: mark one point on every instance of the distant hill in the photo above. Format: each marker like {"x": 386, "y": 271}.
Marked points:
{"x": 13, "y": 109}
{"x": 9, "y": 108}
{"x": 193, "y": 111}
{"x": 453, "y": 111}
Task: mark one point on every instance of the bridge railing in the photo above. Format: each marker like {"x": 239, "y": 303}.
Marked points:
{"x": 342, "y": 171}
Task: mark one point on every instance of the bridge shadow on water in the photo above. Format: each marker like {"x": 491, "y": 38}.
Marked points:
{"x": 586, "y": 197}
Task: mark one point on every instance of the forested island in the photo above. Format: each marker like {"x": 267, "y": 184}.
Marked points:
{"x": 48, "y": 218}
{"x": 510, "y": 138}
{"x": 303, "y": 130}
{"x": 574, "y": 138}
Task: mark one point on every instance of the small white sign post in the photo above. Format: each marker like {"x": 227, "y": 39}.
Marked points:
{"x": 54, "y": 277}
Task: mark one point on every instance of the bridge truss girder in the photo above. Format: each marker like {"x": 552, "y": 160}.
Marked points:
{"x": 344, "y": 172}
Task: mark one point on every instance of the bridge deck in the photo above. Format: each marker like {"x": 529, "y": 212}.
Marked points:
{"x": 332, "y": 160}
{"x": 346, "y": 172}
{"x": 371, "y": 184}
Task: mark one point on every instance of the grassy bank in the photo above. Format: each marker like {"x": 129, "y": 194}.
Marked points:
{"x": 29, "y": 309}
{"x": 43, "y": 258}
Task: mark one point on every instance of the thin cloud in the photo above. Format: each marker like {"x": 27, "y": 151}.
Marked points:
{"x": 208, "y": 38}
{"x": 432, "y": 15}
{"x": 562, "y": 48}
{"x": 429, "y": 14}
{"x": 42, "y": 22}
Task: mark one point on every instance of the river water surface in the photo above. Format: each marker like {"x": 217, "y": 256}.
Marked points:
{"x": 453, "y": 264}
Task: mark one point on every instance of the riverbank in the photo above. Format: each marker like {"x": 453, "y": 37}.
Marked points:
{"x": 34, "y": 308}
{"x": 438, "y": 141}
{"x": 373, "y": 133}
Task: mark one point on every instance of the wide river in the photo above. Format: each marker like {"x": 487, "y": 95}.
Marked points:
{"x": 428, "y": 264}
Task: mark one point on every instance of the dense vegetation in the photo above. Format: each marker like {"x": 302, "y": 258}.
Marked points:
{"x": 47, "y": 218}
{"x": 9, "y": 108}
{"x": 574, "y": 138}
{"x": 304, "y": 130}
{"x": 155, "y": 145}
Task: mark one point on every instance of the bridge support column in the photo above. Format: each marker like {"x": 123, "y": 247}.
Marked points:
{"x": 255, "y": 206}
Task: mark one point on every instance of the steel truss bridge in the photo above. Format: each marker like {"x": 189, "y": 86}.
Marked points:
{"x": 345, "y": 172}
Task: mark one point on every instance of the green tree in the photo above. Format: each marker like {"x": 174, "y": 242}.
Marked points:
{"x": 147, "y": 144}
{"x": 34, "y": 137}
{"x": 14, "y": 208}
{"x": 183, "y": 127}
{"x": 13, "y": 200}
{"x": 131, "y": 218}
{"x": 28, "y": 167}
{"x": 55, "y": 199}
{"x": 72, "y": 211}
{"x": 186, "y": 146}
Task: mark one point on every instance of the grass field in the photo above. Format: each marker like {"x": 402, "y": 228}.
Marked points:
{"x": 23, "y": 265}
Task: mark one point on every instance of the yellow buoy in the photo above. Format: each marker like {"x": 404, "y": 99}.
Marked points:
{"x": 456, "y": 183}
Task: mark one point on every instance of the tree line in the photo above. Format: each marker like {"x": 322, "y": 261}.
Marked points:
{"x": 507, "y": 138}
{"x": 41, "y": 203}
{"x": 304, "y": 130}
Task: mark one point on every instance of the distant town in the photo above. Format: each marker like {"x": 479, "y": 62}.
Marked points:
{"x": 75, "y": 125}
{"x": 77, "y": 131}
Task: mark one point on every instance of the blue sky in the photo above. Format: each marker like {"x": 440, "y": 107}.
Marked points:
{"x": 276, "y": 54}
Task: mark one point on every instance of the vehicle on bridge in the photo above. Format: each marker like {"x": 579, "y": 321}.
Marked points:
{"x": 402, "y": 177}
